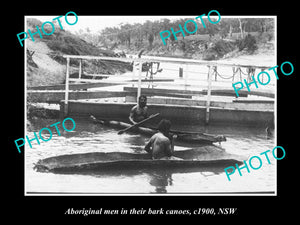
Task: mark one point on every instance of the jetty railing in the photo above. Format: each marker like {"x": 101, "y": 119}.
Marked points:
{"x": 212, "y": 72}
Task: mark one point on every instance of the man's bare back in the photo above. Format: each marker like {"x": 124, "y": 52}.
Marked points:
{"x": 159, "y": 146}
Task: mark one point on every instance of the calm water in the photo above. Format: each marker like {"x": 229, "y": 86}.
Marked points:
{"x": 88, "y": 137}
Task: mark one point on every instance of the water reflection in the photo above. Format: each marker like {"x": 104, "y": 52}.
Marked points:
{"x": 160, "y": 180}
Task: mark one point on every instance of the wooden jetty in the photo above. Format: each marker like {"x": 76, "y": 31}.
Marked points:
{"x": 197, "y": 106}
{"x": 175, "y": 113}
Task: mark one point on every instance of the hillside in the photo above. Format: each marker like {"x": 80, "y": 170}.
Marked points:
{"x": 46, "y": 66}
{"x": 203, "y": 47}
{"x": 214, "y": 42}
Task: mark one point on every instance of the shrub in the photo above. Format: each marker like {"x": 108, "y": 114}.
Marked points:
{"x": 266, "y": 37}
{"x": 248, "y": 43}
{"x": 222, "y": 47}
{"x": 218, "y": 50}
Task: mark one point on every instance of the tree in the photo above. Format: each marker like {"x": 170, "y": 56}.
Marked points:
{"x": 125, "y": 33}
{"x": 148, "y": 31}
{"x": 190, "y": 26}
{"x": 212, "y": 29}
{"x": 265, "y": 24}
{"x": 241, "y": 27}
{"x": 150, "y": 39}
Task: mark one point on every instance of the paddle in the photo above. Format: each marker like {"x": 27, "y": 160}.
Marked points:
{"x": 95, "y": 120}
{"x": 181, "y": 132}
{"x": 138, "y": 124}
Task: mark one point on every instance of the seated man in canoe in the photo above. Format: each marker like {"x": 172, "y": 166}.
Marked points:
{"x": 161, "y": 145}
{"x": 140, "y": 111}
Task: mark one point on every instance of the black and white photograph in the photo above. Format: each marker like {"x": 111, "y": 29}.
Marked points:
{"x": 151, "y": 105}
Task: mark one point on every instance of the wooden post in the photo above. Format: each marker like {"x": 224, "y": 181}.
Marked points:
{"x": 240, "y": 70}
{"x": 253, "y": 73}
{"x": 233, "y": 73}
{"x": 140, "y": 80}
{"x": 180, "y": 72}
{"x": 67, "y": 88}
{"x": 186, "y": 76}
{"x": 80, "y": 68}
{"x": 215, "y": 72}
{"x": 208, "y": 95}
{"x": 133, "y": 72}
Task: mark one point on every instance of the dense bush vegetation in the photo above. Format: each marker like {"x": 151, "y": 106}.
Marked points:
{"x": 148, "y": 32}
{"x": 248, "y": 43}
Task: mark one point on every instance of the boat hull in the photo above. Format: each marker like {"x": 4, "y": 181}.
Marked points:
{"x": 193, "y": 139}
{"x": 120, "y": 161}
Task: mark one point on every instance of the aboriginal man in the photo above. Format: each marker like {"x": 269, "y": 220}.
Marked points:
{"x": 139, "y": 112}
{"x": 160, "y": 145}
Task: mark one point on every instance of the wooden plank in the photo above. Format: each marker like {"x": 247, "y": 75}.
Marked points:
{"x": 260, "y": 93}
{"x": 253, "y": 101}
{"x": 140, "y": 80}
{"x": 75, "y": 86}
{"x": 168, "y": 60}
{"x": 243, "y": 106}
{"x": 160, "y": 91}
{"x": 67, "y": 88}
{"x": 80, "y": 69}
{"x": 208, "y": 96}
{"x": 153, "y": 80}
{"x": 225, "y": 92}
{"x": 99, "y": 75}
{"x": 123, "y": 81}
{"x": 156, "y": 92}
{"x": 173, "y": 95}
{"x": 91, "y": 84}
{"x": 242, "y": 93}
{"x": 77, "y": 81}
{"x": 57, "y": 96}
{"x": 214, "y": 104}
{"x": 169, "y": 101}
{"x": 99, "y": 58}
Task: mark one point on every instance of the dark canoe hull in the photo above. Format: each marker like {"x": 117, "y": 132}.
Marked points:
{"x": 120, "y": 161}
{"x": 192, "y": 138}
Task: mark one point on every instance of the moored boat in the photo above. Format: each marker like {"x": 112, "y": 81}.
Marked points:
{"x": 182, "y": 138}
{"x": 207, "y": 156}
